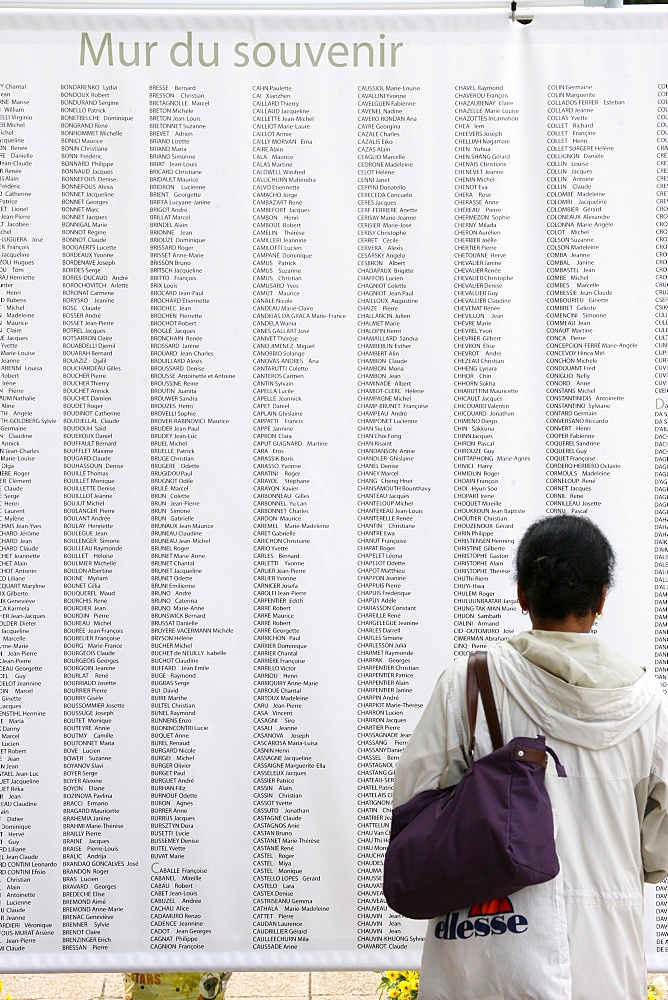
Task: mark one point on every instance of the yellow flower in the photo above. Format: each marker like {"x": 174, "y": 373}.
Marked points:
{"x": 659, "y": 987}
{"x": 399, "y": 984}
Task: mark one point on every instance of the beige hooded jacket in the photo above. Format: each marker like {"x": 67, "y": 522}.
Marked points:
{"x": 608, "y": 722}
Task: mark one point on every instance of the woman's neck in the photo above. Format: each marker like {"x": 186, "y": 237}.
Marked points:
{"x": 573, "y": 623}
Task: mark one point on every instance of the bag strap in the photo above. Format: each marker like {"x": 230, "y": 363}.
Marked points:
{"x": 478, "y": 682}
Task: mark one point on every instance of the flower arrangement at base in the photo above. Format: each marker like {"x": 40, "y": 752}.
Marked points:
{"x": 657, "y": 988}
{"x": 404, "y": 986}
{"x": 399, "y": 985}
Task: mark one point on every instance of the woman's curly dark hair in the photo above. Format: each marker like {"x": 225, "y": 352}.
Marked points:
{"x": 562, "y": 565}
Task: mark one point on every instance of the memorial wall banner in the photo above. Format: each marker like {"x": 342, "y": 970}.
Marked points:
{"x": 304, "y": 316}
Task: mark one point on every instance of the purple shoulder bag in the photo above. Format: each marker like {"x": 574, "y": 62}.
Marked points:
{"x": 484, "y": 838}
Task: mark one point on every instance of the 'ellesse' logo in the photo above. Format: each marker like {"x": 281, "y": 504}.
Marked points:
{"x": 496, "y": 916}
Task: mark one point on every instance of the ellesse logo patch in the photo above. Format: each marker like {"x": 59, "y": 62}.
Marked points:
{"x": 494, "y": 917}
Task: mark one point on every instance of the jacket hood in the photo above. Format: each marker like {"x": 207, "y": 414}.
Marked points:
{"x": 582, "y": 692}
